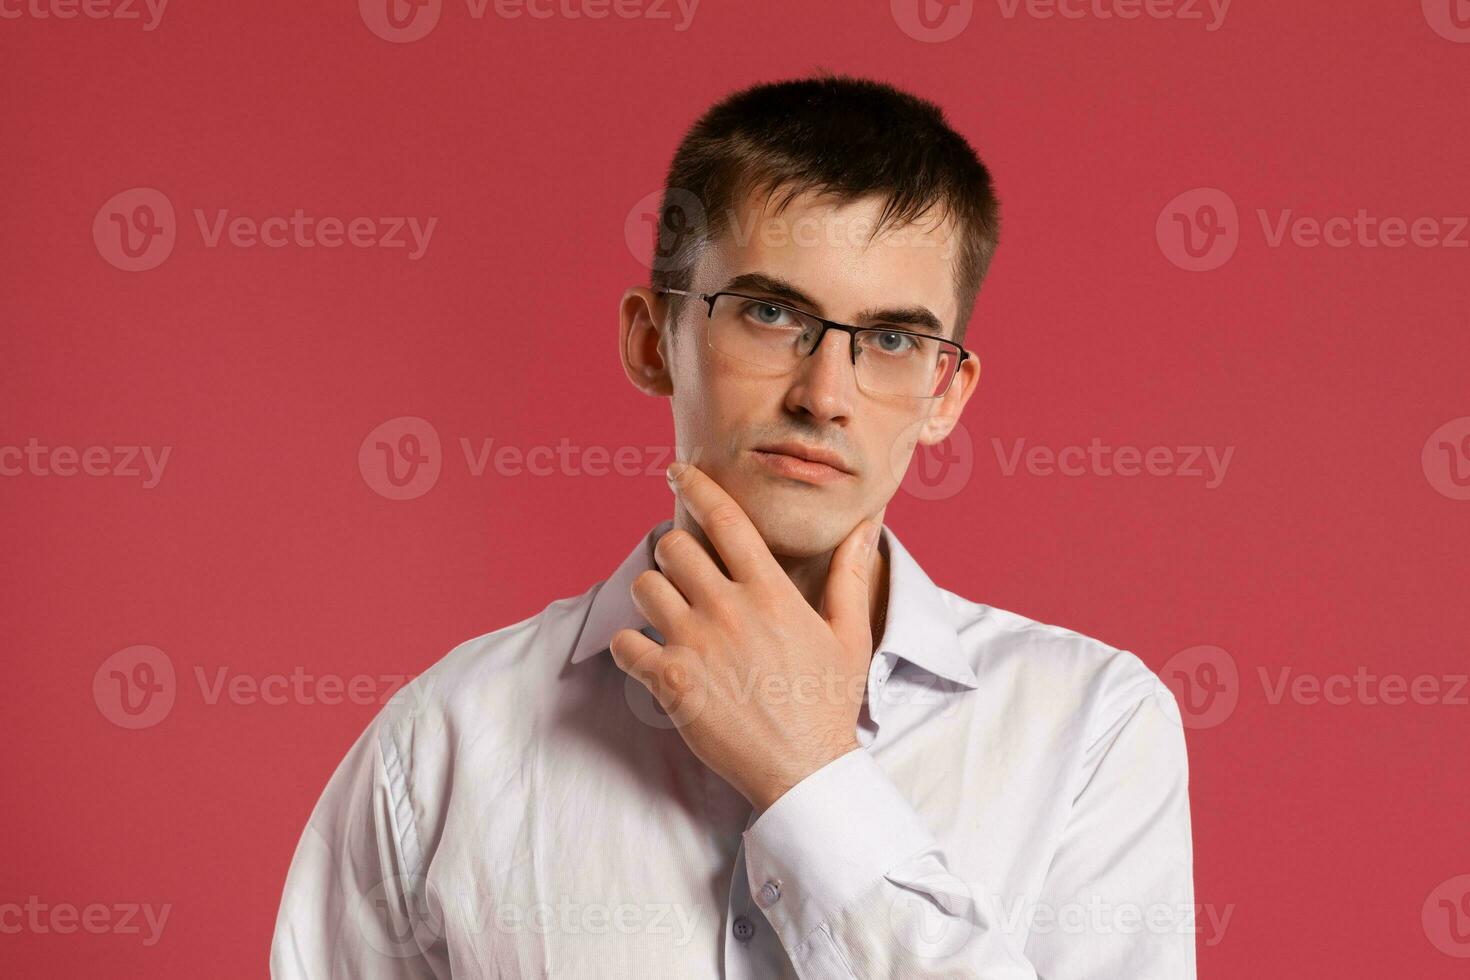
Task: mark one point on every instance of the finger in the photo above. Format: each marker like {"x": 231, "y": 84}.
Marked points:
{"x": 638, "y": 656}
{"x": 657, "y": 599}
{"x": 845, "y": 603}
{"x": 736, "y": 540}
{"x": 671, "y": 674}
{"x": 686, "y": 564}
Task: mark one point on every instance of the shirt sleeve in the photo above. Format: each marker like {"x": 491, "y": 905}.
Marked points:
{"x": 1119, "y": 897}
{"x": 856, "y": 887}
{"x": 353, "y": 904}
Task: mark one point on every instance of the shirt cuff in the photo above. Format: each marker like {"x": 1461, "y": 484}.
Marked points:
{"x": 826, "y": 841}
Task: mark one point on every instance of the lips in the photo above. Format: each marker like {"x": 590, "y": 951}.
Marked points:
{"x": 812, "y": 454}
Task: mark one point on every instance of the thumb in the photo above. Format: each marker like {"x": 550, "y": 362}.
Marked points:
{"x": 845, "y": 602}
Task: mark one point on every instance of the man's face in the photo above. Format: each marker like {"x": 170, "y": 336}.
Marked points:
{"x": 726, "y": 410}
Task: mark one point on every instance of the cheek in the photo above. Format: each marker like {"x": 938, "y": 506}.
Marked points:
{"x": 710, "y": 410}
{"x": 715, "y": 397}
{"x": 890, "y": 454}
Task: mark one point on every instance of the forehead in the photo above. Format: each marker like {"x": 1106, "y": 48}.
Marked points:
{"x": 834, "y": 252}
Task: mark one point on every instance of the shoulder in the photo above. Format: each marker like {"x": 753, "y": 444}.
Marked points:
{"x": 1084, "y": 678}
{"x": 493, "y": 676}
{"x": 465, "y": 713}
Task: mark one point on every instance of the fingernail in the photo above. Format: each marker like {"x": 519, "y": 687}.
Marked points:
{"x": 873, "y": 531}
{"x": 675, "y": 468}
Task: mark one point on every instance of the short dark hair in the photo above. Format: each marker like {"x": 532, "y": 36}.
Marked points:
{"x": 833, "y": 134}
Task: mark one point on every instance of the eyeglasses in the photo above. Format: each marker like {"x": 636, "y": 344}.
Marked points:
{"x": 886, "y": 360}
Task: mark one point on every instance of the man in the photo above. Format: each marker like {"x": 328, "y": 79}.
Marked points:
{"x": 705, "y": 766}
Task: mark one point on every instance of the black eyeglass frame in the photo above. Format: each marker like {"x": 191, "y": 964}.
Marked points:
{"x": 849, "y": 329}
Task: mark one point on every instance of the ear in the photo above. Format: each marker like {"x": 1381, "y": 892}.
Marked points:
{"x": 946, "y": 415}
{"x": 642, "y": 341}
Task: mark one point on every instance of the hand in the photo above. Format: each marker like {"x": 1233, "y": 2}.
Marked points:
{"x": 764, "y": 689}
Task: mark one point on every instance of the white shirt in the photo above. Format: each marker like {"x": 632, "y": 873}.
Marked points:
{"x": 1018, "y": 809}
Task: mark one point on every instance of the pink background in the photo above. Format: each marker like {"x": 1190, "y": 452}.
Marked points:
{"x": 1337, "y": 540}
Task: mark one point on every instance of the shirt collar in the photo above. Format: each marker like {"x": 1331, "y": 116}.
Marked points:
{"x": 921, "y": 625}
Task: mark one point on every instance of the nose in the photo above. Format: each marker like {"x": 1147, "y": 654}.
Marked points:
{"x": 824, "y": 385}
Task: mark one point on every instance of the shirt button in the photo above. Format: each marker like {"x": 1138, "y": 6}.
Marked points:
{"x": 744, "y": 928}
{"x": 770, "y": 892}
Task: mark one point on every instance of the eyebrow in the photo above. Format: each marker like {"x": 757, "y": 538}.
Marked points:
{"x": 780, "y": 289}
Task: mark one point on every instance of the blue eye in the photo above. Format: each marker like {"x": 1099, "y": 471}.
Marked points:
{"x": 888, "y": 342}
{"x": 768, "y": 315}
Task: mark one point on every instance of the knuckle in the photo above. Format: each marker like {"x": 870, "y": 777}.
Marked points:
{"x": 725, "y": 516}
{"x": 643, "y": 668}
{"x": 618, "y": 648}
{"x": 647, "y": 581}
{"x": 671, "y": 541}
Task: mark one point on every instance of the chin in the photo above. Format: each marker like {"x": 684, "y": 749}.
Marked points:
{"x": 801, "y": 532}
{"x": 795, "y": 519}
